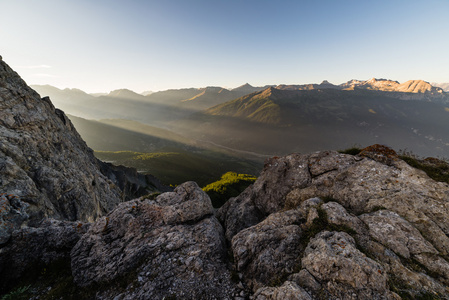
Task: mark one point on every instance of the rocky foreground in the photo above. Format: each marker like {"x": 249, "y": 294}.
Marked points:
{"x": 318, "y": 226}
{"x": 324, "y": 225}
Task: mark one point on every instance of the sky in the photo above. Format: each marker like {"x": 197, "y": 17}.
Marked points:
{"x": 103, "y": 45}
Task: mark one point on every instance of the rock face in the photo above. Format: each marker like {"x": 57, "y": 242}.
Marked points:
{"x": 317, "y": 226}
{"x": 31, "y": 249}
{"x": 12, "y": 215}
{"x": 173, "y": 245}
{"x": 379, "y": 229}
{"x": 45, "y": 163}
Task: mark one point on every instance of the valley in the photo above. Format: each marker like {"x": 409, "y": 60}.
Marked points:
{"x": 200, "y": 134}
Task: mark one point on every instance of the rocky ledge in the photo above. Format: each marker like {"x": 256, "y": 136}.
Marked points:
{"x": 324, "y": 225}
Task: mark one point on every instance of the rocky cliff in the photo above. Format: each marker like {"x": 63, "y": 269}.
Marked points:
{"x": 46, "y": 169}
{"x": 323, "y": 225}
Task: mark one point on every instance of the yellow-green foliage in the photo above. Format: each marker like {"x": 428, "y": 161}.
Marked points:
{"x": 145, "y": 156}
{"x": 174, "y": 168}
{"x": 230, "y": 185}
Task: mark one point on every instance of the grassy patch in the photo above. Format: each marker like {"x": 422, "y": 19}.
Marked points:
{"x": 37, "y": 281}
{"x": 230, "y": 185}
{"x": 174, "y": 168}
{"x": 436, "y": 169}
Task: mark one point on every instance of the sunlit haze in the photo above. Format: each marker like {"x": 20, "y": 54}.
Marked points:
{"x": 99, "y": 46}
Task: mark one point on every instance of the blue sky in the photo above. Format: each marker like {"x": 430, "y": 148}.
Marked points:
{"x": 99, "y": 45}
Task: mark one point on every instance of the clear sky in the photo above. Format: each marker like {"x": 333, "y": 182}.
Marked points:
{"x": 102, "y": 45}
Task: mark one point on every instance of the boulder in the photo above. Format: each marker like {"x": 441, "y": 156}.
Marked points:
{"x": 266, "y": 252}
{"x": 379, "y": 228}
{"x": 288, "y": 291}
{"x": 172, "y": 246}
{"x": 31, "y": 249}
{"x": 396, "y": 233}
{"x": 333, "y": 259}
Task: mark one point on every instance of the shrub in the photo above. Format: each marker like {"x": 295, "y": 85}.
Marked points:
{"x": 436, "y": 169}
{"x": 230, "y": 185}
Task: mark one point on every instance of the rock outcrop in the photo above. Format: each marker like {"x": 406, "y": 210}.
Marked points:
{"x": 45, "y": 163}
{"x": 173, "y": 246}
{"x": 32, "y": 249}
{"x": 378, "y": 229}
{"x": 324, "y": 225}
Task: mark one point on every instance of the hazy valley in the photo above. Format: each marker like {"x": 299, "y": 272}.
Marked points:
{"x": 237, "y": 129}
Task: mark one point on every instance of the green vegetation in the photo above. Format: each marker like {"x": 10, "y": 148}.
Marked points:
{"x": 352, "y": 151}
{"x": 18, "y": 293}
{"x": 436, "y": 169}
{"x": 55, "y": 281}
{"x": 174, "y": 168}
{"x": 230, "y": 185}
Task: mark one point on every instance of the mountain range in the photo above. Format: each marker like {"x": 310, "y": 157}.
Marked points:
{"x": 278, "y": 119}
{"x": 153, "y": 108}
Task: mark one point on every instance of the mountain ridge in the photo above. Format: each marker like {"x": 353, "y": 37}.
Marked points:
{"x": 409, "y": 86}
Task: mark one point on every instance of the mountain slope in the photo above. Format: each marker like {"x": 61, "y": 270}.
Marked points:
{"x": 281, "y": 121}
{"x": 444, "y": 86}
{"x": 257, "y": 107}
{"x": 248, "y": 89}
{"x": 44, "y": 161}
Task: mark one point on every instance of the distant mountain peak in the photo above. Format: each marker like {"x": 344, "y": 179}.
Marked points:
{"x": 247, "y": 88}
{"x": 269, "y": 91}
{"x": 146, "y": 93}
{"x": 118, "y": 91}
{"x": 444, "y": 86}
{"x": 419, "y": 86}
{"x": 124, "y": 93}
